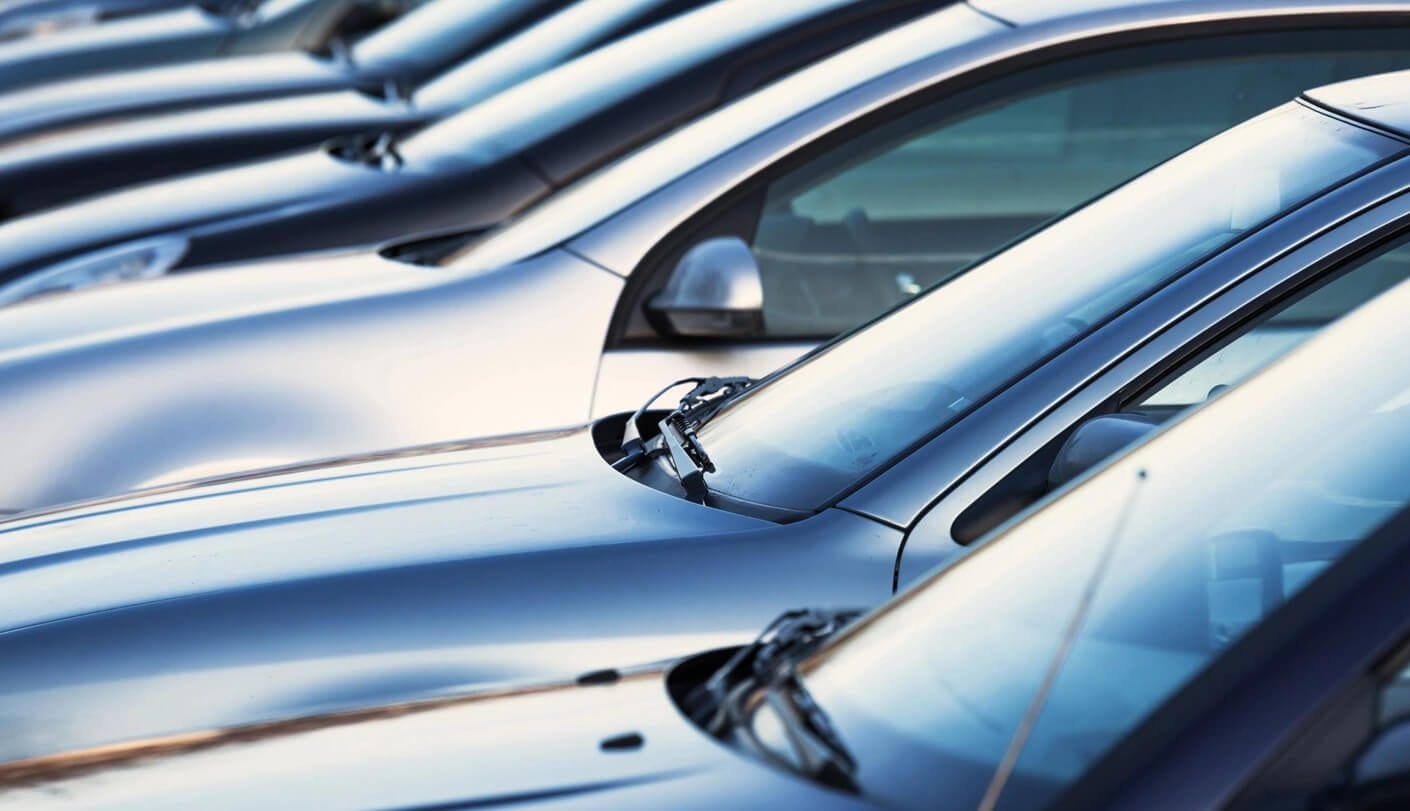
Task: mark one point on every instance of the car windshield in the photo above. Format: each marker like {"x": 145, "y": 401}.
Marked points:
{"x": 833, "y": 418}
{"x": 1053, "y": 640}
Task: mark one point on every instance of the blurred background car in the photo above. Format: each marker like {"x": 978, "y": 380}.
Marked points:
{"x": 413, "y": 48}
{"x": 585, "y": 113}
{"x": 398, "y": 574}
{"x": 99, "y": 35}
{"x": 730, "y": 246}
{"x": 1032, "y": 142}
{"x": 1094, "y": 654}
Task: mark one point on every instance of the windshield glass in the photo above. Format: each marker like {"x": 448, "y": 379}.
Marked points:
{"x": 536, "y": 109}
{"x": 841, "y": 413}
{"x": 1151, "y": 569}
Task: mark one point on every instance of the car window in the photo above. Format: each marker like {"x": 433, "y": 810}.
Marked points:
{"x": 1114, "y": 597}
{"x": 873, "y": 221}
{"x": 838, "y": 414}
{"x": 1283, "y": 329}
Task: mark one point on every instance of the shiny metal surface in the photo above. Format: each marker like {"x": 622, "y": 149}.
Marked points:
{"x": 397, "y": 574}
{"x": 165, "y": 36}
{"x": 64, "y": 101}
{"x": 1376, "y": 100}
{"x": 383, "y": 579}
{"x": 694, "y": 165}
{"x": 532, "y": 748}
{"x": 390, "y": 367}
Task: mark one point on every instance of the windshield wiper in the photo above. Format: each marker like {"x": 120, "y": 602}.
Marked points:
{"x": 770, "y": 665}
{"x": 677, "y": 439}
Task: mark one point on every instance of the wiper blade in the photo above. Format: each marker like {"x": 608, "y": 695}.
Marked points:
{"x": 770, "y": 664}
{"x": 677, "y": 437}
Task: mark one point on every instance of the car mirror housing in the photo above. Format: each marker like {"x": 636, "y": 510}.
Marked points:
{"x": 714, "y": 292}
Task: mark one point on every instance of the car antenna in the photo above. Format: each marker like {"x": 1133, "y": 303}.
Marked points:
{"x": 1079, "y": 617}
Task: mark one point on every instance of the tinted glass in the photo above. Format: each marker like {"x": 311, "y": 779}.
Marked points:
{"x": 849, "y": 409}
{"x": 1287, "y": 327}
{"x": 864, "y": 227}
{"x": 1054, "y": 640}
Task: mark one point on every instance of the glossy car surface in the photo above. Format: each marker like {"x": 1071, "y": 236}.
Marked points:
{"x": 404, "y": 573}
{"x": 180, "y": 33}
{"x": 409, "y": 49}
{"x": 1131, "y": 644}
{"x": 340, "y": 355}
{"x": 709, "y": 49}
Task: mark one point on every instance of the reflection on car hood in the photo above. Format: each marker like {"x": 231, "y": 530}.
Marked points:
{"x": 538, "y": 491}
{"x": 135, "y": 91}
{"x": 36, "y": 326}
{"x": 559, "y": 745}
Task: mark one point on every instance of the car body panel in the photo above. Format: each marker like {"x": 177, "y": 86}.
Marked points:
{"x": 461, "y": 758}
{"x": 1113, "y": 359}
{"x": 394, "y": 339}
{"x": 85, "y": 98}
{"x": 45, "y": 170}
{"x": 124, "y": 93}
{"x": 165, "y": 36}
{"x": 1373, "y": 100}
{"x": 51, "y": 166}
{"x": 154, "y": 372}
{"x": 383, "y": 579}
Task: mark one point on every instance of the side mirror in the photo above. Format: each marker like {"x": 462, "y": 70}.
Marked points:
{"x": 1095, "y": 440}
{"x": 715, "y": 292}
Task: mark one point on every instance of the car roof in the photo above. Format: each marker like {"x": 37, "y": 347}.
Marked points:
{"x": 1024, "y": 12}
{"x": 1382, "y": 100}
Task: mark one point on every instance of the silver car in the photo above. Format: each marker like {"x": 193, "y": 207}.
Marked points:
{"x": 730, "y": 246}
{"x": 853, "y": 471}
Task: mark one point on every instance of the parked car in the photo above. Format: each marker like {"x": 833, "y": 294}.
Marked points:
{"x": 1095, "y": 654}
{"x": 612, "y": 101}
{"x": 407, "y": 51}
{"x": 567, "y": 314}
{"x": 492, "y": 161}
{"x": 26, "y": 18}
{"x": 404, "y": 573}
{"x": 179, "y": 33}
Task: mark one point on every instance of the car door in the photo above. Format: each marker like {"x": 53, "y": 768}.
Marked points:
{"x": 1258, "y": 317}
{"x": 862, "y": 220}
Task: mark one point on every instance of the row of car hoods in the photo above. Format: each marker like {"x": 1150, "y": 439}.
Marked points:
{"x": 1013, "y": 458}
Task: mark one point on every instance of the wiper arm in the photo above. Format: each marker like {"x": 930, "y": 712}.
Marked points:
{"x": 770, "y": 664}
{"x": 678, "y": 438}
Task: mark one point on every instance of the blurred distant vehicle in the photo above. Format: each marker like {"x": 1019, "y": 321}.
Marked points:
{"x": 84, "y": 37}
{"x": 1094, "y": 655}
{"x": 1216, "y": 558}
{"x": 56, "y": 81}
{"x": 598, "y": 108}
{"x": 729, "y": 247}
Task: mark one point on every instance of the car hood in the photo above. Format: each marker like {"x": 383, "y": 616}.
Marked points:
{"x": 267, "y": 189}
{"x": 620, "y": 745}
{"x": 92, "y": 316}
{"x": 387, "y": 578}
{"x": 125, "y": 93}
{"x": 538, "y": 491}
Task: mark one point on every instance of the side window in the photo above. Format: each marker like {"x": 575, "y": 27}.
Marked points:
{"x": 1278, "y": 332}
{"x": 857, "y": 230}
{"x": 1252, "y": 346}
